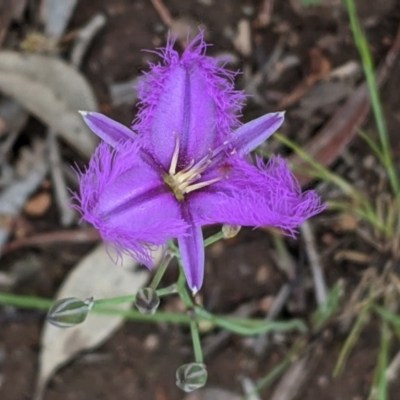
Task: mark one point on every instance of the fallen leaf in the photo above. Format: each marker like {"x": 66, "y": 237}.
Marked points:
{"x": 242, "y": 40}
{"x": 53, "y": 91}
{"x": 13, "y": 197}
{"x": 12, "y": 117}
{"x": 95, "y": 276}
{"x": 353, "y": 256}
{"x": 55, "y": 15}
{"x": 319, "y": 68}
{"x": 38, "y": 204}
{"x": 328, "y": 143}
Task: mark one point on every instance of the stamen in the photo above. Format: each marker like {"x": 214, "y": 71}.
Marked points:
{"x": 200, "y": 185}
{"x": 175, "y": 155}
{"x": 183, "y": 182}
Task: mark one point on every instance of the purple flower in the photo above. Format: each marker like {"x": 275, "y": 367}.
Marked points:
{"x": 183, "y": 165}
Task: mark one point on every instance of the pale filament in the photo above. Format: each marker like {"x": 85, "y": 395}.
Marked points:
{"x": 183, "y": 182}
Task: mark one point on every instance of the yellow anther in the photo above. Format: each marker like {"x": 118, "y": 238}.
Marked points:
{"x": 184, "y": 181}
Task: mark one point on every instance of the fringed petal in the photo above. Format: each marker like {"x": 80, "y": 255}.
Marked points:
{"x": 128, "y": 202}
{"x": 190, "y": 96}
{"x": 265, "y": 194}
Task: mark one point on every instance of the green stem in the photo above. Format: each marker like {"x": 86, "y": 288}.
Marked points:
{"x": 182, "y": 291}
{"x": 138, "y": 317}
{"x": 25, "y": 301}
{"x": 213, "y": 238}
{"x": 198, "y": 354}
{"x": 44, "y": 304}
{"x": 130, "y": 298}
{"x": 241, "y": 326}
{"x": 168, "y": 256}
{"x": 249, "y": 327}
{"x": 167, "y": 290}
{"x": 351, "y": 340}
{"x": 383, "y": 360}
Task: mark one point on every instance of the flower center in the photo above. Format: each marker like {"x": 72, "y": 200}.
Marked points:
{"x": 186, "y": 180}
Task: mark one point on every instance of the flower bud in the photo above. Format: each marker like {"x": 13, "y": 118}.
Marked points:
{"x": 69, "y": 312}
{"x": 191, "y": 376}
{"x": 230, "y": 231}
{"x": 147, "y": 301}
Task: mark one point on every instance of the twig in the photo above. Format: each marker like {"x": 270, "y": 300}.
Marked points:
{"x": 57, "y": 176}
{"x": 7, "y": 144}
{"x": 291, "y": 383}
{"x": 392, "y": 370}
{"x": 249, "y": 389}
{"x": 166, "y": 17}
{"x": 85, "y": 36}
{"x": 264, "y": 15}
{"x": 163, "y": 12}
{"x": 316, "y": 269}
{"x": 276, "y": 307}
{"x": 14, "y": 196}
{"x": 73, "y": 236}
{"x": 6, "y": 15}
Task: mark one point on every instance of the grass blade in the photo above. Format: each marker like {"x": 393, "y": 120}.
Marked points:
{"x": 362, "y": 45}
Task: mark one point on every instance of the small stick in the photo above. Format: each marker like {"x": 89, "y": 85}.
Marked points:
{"x": 85, "y": 36}
{"x": 290, "y": 384}
{"x": 249, "y": 389}
{"x": 165, "y": 17}
{"x": 279, "y": 302}
{"x": 163, "y": 12}
{"x": 13, "y": 197}
{"x": 316, "y": 269}
{"x": 5, "y": 147}
{"x": 264, "y": 15}
{"x": 392, "y": 370}
{"x": 60, "y": 188}
{"x": 73, "y": 236}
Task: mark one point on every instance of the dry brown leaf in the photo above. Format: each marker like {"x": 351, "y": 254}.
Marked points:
{"x": 38, "y": 204}
{"x": 353, "y": 256}
{"x": 319, "y": 68}
{"x": 53, "y": 91}
{"x": 96, "y": 276}
{"x": 328, "y": 143}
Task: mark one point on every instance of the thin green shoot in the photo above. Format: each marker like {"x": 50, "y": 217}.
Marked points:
{"x": 351, "y": 340}
{"x": 320, "y": 171}
{"x": 387, "y": 315}
{"x": 373, "y": 146}
{"x": 325, "y": 311}
{"x": 242, "y": 326}
{"x": 383, "y": 361}
{"x": 363, "y": 48}
{"x": 361, "y": 204}
{"x": 379, "y": 390}
{"x": 279, "y": 369}
{"x": 198, "y": 353}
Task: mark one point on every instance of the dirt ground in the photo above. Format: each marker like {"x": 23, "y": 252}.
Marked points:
{"x": 140, "y": 360}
